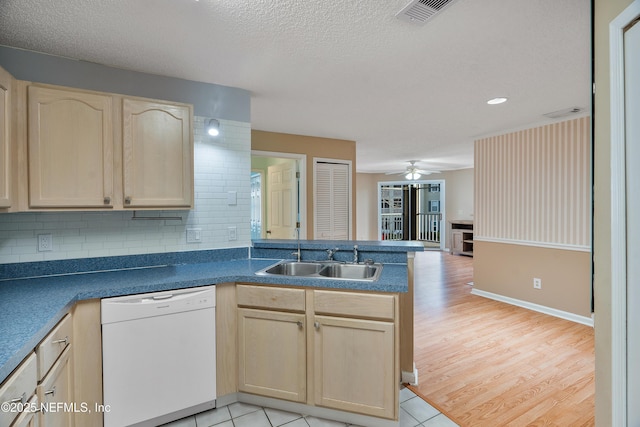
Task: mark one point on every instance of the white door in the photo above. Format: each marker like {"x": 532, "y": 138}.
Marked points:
{"x": 632, "y": 125}
{"x": 256, "y": 205}
{"x": 282, "y": 203}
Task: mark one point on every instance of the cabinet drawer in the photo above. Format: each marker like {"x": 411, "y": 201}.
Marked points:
{"x": 269, "y": 297}
{"x": 374, "y": 306}
{"x": 53, "y": 345}
{"x": 18, "y": 388}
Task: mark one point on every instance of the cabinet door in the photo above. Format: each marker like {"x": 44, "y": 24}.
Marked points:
{"x": 158, "y": 154}
{"x": 70, "y": 149}
{"x": 272, "y": 352}
{"x": 55, "y": 390}
{"x": 5, "y": 139}
{"x": 354, "y": 366}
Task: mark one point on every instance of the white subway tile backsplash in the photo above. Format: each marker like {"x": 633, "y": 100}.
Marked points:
{"x": 221, "y": 164}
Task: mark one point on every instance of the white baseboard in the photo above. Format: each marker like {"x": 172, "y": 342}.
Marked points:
{"x": 410, "y": 377}
{"x": 535, "y": 307}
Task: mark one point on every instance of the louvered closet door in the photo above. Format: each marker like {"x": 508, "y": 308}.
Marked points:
{"x": 332, "y": 201}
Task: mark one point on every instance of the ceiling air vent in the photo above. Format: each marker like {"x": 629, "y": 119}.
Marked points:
{"x": 564, "y": 113}
{"x": 420, "y": 11}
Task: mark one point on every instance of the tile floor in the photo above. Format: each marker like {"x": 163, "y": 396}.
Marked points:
{"x": 414, "y": 412}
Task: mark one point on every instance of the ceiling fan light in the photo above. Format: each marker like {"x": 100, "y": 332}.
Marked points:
{"x": 496, "y": 101}
{"x": 412, "y": 175}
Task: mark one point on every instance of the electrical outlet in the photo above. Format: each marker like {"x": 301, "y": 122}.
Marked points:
{"x": 233, "y": 233}
{"x": 45, "y": 242}
{"x": 537, "y": 283}
{"x": 194, "y": 235}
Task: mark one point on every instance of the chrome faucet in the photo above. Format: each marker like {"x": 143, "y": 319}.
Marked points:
{"x": 331, "y": 253}
{"x": 298, "y": 253}
{"x": 355, "y": 254}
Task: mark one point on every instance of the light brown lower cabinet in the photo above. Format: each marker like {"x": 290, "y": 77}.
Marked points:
{"x": 354, "y": 365}
{"x": 273, "y": 356}
{"x": 338, "y": 351}
{"x": 44, "y": 380}
{"x": 87, "y": 362}
{"x": 55, "y": 391}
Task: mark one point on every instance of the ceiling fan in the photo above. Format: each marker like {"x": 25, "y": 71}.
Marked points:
{"x": 412, "y": 172}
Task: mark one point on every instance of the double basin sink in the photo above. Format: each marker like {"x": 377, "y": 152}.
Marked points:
{"x": 324, "y": 270}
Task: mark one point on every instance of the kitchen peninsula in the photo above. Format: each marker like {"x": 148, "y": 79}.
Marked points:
{"x": 35, "y": 297}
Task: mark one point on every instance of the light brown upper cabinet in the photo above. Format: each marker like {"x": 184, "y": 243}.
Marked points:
{"x": 5, "y": 140}
{"x": 90, "y": 150}
{"x": 157, "y": 154}
{"x": 70, "y": 146}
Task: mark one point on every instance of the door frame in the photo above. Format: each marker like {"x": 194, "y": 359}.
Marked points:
{"x": 619, "y": 374}
{"x": 302, "y": 184}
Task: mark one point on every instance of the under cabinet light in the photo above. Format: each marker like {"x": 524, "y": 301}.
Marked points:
{"x": 213, "y": 127}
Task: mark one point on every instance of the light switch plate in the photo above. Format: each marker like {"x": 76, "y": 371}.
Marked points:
{"x": 233, "y": 233}
{"x": 232, "y": 198}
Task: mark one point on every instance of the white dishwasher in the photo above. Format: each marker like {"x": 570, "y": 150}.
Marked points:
{"x": 158, "y": 356}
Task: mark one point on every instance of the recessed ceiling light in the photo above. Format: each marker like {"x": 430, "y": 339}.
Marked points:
{"x": 495, "y": 101}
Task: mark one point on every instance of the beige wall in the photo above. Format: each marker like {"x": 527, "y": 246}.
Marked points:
{"x": 458, "y": 192}
{"x": 367, "y": 202}
{"x": 533, "y": 208}
{"x": 604, "y": 12}
{"x": 508, "y": 270}
{"x": 312, "y": 147}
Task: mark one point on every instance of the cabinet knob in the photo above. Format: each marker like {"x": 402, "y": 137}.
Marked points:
{"x": 107, "y": 200}
{"x": 127, "y": 200}
{"x": 300, "y": 324}
{"x": 316, "y": 325}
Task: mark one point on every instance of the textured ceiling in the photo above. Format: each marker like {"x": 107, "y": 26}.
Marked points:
{"x": 342, "y": 69}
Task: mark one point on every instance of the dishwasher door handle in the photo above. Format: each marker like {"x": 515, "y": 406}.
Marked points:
{"x": 161, "y": 297}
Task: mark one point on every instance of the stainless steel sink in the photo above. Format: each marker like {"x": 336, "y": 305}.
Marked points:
{"x": 294, "y": 268}
{"x": 352, "y": 271}
{"x": 324, "y": 270}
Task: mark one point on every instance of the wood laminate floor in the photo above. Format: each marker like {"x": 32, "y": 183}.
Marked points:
{"x": 487, "y": 363}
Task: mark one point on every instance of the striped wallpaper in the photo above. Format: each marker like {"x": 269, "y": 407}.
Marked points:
{"x": 534, "y": 186}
